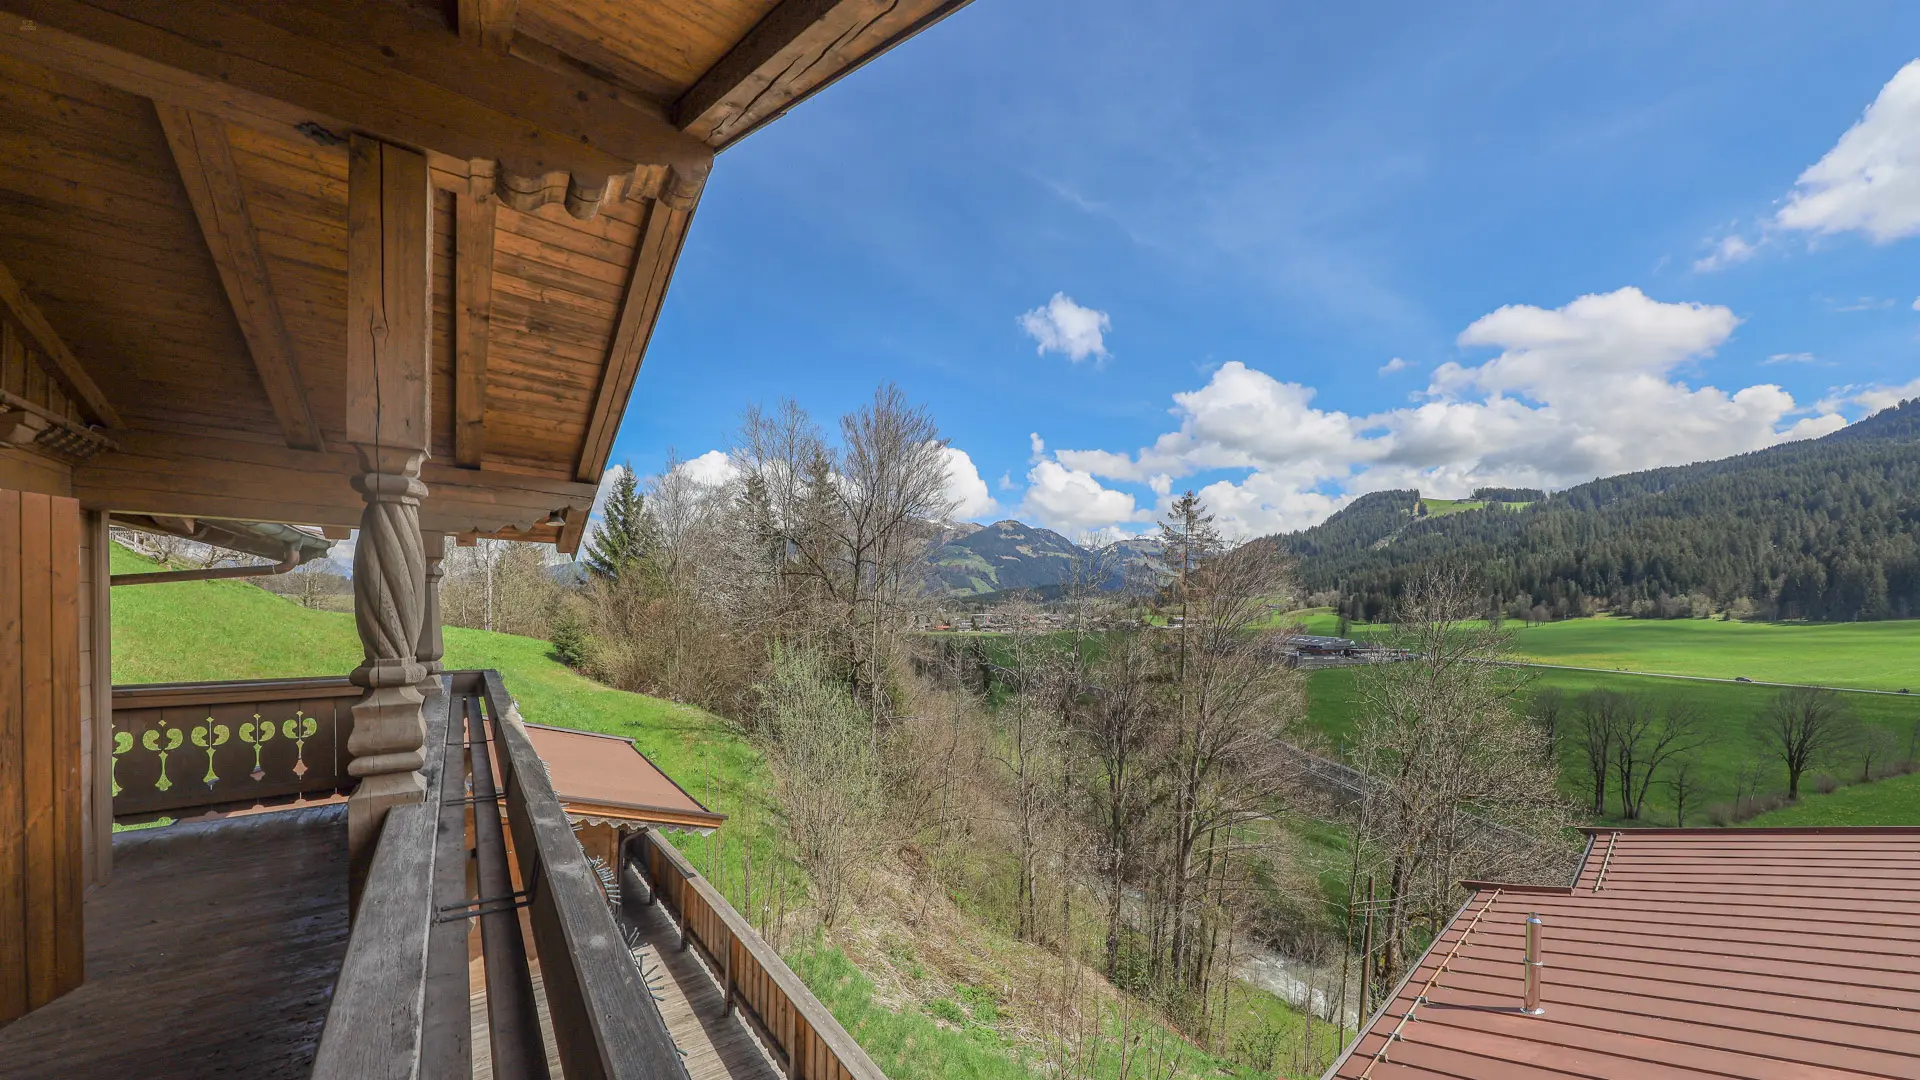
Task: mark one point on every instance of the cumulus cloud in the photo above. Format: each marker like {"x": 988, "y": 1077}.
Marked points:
{"x": 1870, "y": 181}
{"x": 1588, "y": 389}
{"x": 1393, "y": 365}
{"x": 1073, "y": 502}
{"x": 964, "y": 486}
{"x": 1062, "y": 326}
{"x": 1727, "y": 251}
{"x": 1875, "y": 398}
{"x": 1101, "y": 537}
{"x": 711, "y": 469}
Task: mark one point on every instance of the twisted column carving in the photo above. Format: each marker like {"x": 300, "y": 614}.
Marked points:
{"x": 389, "y": 602}
{"x": 432, "y": 644}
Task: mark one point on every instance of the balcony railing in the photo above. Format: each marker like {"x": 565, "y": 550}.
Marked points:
{"x": 493, "y": 844}
{"x": 790, "y": 1021}
{"x": 194, "y": 747}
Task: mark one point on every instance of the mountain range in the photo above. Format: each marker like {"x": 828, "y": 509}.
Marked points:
{"x": 1823, "y": 529}
{"x": 987, "y": 562}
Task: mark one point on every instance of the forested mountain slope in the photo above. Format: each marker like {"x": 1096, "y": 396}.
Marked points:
{"x": 1826, "y": 529}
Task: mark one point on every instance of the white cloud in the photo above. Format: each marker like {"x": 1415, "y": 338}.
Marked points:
{"x": 1791, "y": 358}
{"x": 1870, "y": 181}
{"x": 964, "y": 486}
{"x": 711, "y": 469}
{"x": 1875, "y": 398}
{"x": 1729, "y": 250}
{"x": 1072, "y": 501}
{"x": 1916, "y": 303}
{"x": 1101, "y": 537}
{"x": 1393, "y": 365}
{"x": 1063, "y": 326}
{"x": 1584, "y": 390}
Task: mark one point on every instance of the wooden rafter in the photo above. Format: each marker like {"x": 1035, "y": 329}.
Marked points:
{"x": 489, "y": 23}
{"x": 667, "y": 219}
{"x": 67, "y": 366}
{"x": 795, "y": 51}
{"x": 322, "y": 69}
{"x": 205, "y": 158}
{"x": 472, "y": 320}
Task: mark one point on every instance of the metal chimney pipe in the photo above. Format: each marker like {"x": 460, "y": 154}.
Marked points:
{"x": 1533, "y": 966}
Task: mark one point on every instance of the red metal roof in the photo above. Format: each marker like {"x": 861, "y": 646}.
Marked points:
{"x": 604, "y": 778}
{"x": 1770, "y": 954}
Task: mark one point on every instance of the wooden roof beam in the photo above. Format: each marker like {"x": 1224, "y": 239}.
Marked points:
{"x": 668, "y": 216}
{"x": 798, "y": 49}
{"x": 323, "y": 69}
{"x": 67, "y": 367}
{"x": 205, "y": 158}
{"x": 489, "y": 24}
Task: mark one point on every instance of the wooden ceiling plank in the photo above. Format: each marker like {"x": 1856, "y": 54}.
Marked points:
{"x": 488, "y": 24}
{"x": 41, "y": 333}
{"x": 653, "y": 264}
{"x": 472, "y": 322}
{"x": 205, "y": 159}
{"x": 322, "y": 69}
{"x": 797, "y": 50}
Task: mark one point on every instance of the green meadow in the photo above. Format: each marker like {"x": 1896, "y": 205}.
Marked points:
{"x": 1860, "y": 655}
{"x": 1727, "y": 712}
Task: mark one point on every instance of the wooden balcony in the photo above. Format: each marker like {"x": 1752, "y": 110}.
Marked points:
{"x": 485, "y": 942}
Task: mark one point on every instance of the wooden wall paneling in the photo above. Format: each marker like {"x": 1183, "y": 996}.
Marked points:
{"x": 653, "y": 266}
{"x": 473, "y": 317}
{"x": 37, "y": 740}
{"x": 13, "y": 853}
{"x": 68, "y": 868}
{"x": 212, "y": 180}
{"x": 100, "y": 551}
{"x": 41, "y": 333}
{"x": 442, "y": 363}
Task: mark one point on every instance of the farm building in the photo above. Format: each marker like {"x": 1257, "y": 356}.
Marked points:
{"x": 1676, "y": 953}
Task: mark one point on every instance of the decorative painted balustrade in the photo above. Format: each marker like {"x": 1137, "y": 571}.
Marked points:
{"x": 205, "y": 746}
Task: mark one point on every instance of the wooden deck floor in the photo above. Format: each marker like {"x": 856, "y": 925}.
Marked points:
{"x": 212, "y": 953}
{"x": 717, "y": 1044}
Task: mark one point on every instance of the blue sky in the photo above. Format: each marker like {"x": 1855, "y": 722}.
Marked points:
{"x": 1306, "y": 251}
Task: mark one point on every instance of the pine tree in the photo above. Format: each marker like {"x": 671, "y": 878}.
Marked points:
{"x": 621, "y": 537}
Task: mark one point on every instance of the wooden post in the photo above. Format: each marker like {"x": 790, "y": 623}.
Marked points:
{"x": 432, "y": 644}
{"x": 389, "y": 291}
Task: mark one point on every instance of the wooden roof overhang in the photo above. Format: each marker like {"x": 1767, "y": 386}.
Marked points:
{"x": 173, "y": 227}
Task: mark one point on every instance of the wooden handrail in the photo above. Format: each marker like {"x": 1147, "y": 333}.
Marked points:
{"x": 169, "y": 695}
{"x": 783, "y": 1012}
{"x": 604, "y": 1018}
{"x": 379, "y": 1013}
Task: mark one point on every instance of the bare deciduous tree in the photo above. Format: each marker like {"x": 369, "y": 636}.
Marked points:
{"x": 1457, "y": 784}
{"x": 1804, "y": 727}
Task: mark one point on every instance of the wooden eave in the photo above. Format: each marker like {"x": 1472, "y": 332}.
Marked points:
{"x": 173, "y": 226}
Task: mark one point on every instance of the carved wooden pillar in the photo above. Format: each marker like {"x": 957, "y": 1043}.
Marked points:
{"x": 389, "y": 290}
{"x": 432, "y": 645}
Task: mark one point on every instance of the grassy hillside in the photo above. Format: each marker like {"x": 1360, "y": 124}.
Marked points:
{"x": 1889, "y": 802}
{"x": 1726, "y": 710}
